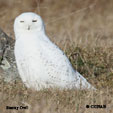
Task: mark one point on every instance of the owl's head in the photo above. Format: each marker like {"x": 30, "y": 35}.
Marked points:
{"x": 28, "y": 22}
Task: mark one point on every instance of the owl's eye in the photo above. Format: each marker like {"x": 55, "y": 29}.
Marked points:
{"x": 34, "y": 20}
{"x": 22, "y": 21}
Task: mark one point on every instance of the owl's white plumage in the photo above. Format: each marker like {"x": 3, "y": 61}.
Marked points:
{"x": 40, "y": 62}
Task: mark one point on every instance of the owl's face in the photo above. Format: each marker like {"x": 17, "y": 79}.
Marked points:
{"x": 27, "y": 22}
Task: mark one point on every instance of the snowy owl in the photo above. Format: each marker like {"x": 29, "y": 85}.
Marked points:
{"x": 41, "y": 64}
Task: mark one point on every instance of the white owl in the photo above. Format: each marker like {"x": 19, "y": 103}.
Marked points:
{"x": 41, "y": 64}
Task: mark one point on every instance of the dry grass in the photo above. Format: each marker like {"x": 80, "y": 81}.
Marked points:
{"x": 83, "y": 29}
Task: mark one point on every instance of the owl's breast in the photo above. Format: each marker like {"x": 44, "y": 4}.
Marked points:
{"x": 28, "y": 58}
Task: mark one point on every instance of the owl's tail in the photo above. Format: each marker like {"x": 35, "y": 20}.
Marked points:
{"x": 83, "y": 83}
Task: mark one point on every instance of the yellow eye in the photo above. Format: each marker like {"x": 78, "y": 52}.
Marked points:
{"x": 21, "y": 21}
{"x": 34, "y": 20}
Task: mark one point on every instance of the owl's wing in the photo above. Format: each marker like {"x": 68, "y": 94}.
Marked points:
{"x": 59, "y": 68}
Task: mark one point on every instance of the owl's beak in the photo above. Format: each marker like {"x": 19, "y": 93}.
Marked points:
{"x": 28, "y": 27}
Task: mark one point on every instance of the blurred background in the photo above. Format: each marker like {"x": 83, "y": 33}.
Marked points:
{"x": 68, "y": 22}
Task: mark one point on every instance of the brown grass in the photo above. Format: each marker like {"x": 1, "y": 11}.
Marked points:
{"x": 83, "y": 29}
